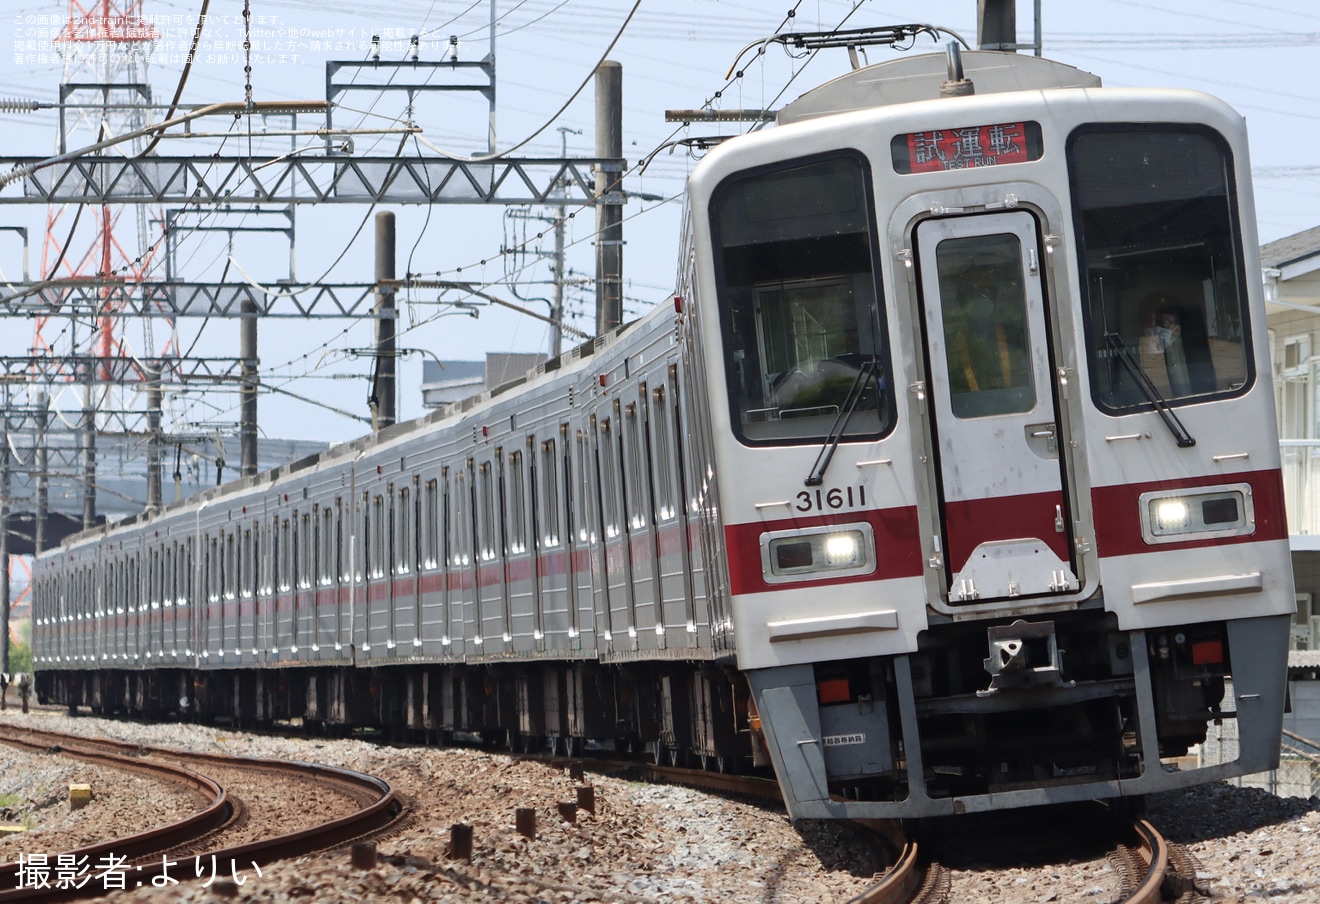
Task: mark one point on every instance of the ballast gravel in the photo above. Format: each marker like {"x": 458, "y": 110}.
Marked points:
{"x": 645, "y": 843}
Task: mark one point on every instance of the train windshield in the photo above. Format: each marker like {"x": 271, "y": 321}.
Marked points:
{"x": 803, "y": 339}
{"x": 1164, "y": 289}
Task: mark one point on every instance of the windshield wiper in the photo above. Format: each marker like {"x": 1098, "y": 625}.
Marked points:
{"x": 850, "y": 403}
{"x": 1124, "y": 353}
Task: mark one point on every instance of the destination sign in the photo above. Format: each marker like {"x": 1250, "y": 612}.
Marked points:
{"x": 941, "y": 150}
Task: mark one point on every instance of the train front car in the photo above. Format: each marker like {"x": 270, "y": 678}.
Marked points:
{"x": 999, "y": 469}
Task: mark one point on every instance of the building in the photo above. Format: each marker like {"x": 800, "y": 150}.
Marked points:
{"x": 457, "y": 380}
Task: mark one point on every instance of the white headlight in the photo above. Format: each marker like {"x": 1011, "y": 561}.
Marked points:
{"x": 807, "y": 553}
{"x": 1202, "y": 513}
{"x": 1171, "y": 514}
{"x": 841, "y": 549}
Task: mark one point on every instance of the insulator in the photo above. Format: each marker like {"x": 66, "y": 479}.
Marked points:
{"x": 18, "y": 172}
{"x": 17, "y": 105}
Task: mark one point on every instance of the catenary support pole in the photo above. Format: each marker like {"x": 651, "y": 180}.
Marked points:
{"x": 247, "y": 394}
{"x": 4, "y": 543}
{"x": 609, "y": 217}
{"x": 89, "y": 452}
{"x": 385, "y": 412}
{"x": 996, "y": 24}
{"x": 42, "y": 478}
{"x": 155, "y": 400}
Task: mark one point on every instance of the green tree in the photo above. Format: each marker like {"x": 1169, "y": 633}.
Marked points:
{"x": 20, "y": 658}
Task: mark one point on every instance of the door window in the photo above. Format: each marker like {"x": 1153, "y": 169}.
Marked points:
{"x": 983, "y": 305}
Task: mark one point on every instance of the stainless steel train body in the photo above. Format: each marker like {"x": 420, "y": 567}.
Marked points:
{"x": 948, "y": 481}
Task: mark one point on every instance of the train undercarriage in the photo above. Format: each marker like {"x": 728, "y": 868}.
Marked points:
{"x": 1016, "y": 714}
{"x": 683, "y": 714}
{"x": 1019, "y": 714}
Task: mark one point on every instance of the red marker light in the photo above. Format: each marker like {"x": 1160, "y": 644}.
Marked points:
{"x": 833, "y": 690}
{"x": 1207, "y": 652}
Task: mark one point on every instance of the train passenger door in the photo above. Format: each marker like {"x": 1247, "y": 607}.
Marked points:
{"x": 1005, "y": 524}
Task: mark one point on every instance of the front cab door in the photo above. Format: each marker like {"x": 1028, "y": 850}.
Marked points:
{"x": 1005, "y": 525}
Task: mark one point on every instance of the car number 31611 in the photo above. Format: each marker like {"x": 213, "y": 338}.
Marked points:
{"x": 833, "y": 498}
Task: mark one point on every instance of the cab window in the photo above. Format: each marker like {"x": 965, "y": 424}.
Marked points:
{"x": 1158, "y": 233}
{"x": 803, "y": 339}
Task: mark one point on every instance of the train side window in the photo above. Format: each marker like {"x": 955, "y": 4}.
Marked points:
{"x": 607, "y": 460}
{"x": 377, "y": 561}
{"x": 213, "y": 571}
{"x": 259, "y": 567}
{"x": 404, "y": 547}
{"x": 517, "y": 503}
{"x": 663, "y": 456}
{"x": 316, "y": 574}
{"x": 245, "y": 557}
{"x": 583, "y": 487}
{"x": 231, "y": 567}
{"x": 273, "y": 559}
{"x": 341, "y": 560}
{"x": 287, "y": 554}
{"x": 635, "y": 476}
{"x": 551, "y": 513}
{"x": 167, "y": 577}
{"x": 431, "y": 525}
{"x": 329, "y": 548}
{"x": 486, "y": 511}
{"x": 298, "y": 549}
{"x": 305, "y": 547}
{"x": 185, "y": 560}
{"x": 461, "y": 512}
{"x": 799, "y": 301}
{"x": 1159, "y": 239}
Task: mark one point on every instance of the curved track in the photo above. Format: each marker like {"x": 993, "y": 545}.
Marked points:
{"x": 195, "y": 835}
{"x": 1154, "y": 870}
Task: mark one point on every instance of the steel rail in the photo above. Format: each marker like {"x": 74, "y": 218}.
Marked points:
{"x": 902, "y": 882}
{"x": 905, "y": 879}
{"x": 385, "y": 808}
{"x": 1154, "y": 851}
{"x": 133, "y": 847}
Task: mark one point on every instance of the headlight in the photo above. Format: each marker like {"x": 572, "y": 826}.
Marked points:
{"x": 827, "y": 551}
{"x": 1196, "y": 514}
{"x": 1171, "y": 515}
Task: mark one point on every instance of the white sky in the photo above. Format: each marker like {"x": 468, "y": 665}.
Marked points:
{"x": 1255, "y": 55}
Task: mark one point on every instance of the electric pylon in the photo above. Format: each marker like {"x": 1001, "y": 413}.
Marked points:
{"x": 106, "y": 46}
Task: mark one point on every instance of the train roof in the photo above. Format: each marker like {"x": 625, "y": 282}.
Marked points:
{"x": 572, "y": 359}
{"x": 915, "y": 78}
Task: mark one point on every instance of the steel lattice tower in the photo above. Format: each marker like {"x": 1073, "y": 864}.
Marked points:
{"x": 106, "y": 46}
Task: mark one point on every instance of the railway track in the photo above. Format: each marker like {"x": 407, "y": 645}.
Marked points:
{"x": 1148, "y": 869}
{"x": 226, "y": 831}
{"x": 1151, "y": 870}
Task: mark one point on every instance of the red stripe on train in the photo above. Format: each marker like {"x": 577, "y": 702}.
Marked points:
{"x": 897, "y": 548}
{"x": 1118, "y": 513}
{"x": 970, "y": 522}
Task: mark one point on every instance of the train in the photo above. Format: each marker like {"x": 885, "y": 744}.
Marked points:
{"x": 946, "y": 481}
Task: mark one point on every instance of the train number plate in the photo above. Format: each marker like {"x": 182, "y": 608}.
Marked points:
{"x": 832, "y": 498}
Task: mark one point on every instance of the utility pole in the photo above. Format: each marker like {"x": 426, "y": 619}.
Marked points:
{"x": 42, "y": 477}
{"x": 4, "y": 537}
{"x": 561, "y": 214}
{"x": 996, "y": 26}
{"x": 384, "y": 411}
{"x": 89, "y": 450}
{"x": 609, "y": 217}
{"x": 154, "y": 478}
{"x": 250, "y": 380}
